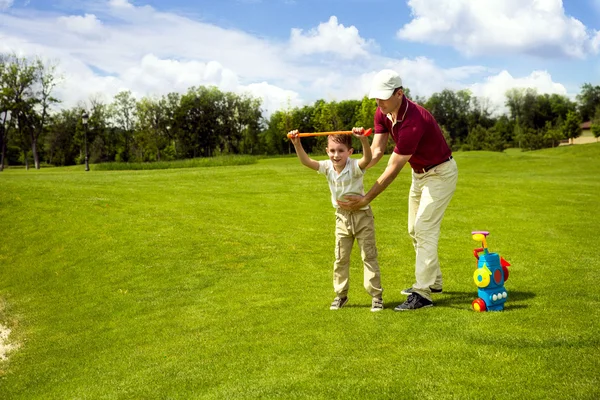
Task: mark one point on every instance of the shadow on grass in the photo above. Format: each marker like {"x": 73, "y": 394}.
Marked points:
{"x": 462, "y": 300}
{"x": 458, "y": 300}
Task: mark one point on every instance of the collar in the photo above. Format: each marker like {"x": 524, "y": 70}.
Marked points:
{"x": 404, "y": 101}
{"x": 346, "y": 168}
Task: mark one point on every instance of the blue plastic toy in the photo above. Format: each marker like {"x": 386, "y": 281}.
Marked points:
{"x": 490, "y": 275}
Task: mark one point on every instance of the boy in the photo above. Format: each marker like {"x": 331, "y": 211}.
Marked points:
{"x": 345, "y": 177}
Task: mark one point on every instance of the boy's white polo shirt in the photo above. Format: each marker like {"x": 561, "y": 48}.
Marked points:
{"x": 348, "y": 182}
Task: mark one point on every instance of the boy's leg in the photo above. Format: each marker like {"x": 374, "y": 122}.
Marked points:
{"x": 344, "y": 239}
{"x": 364, "y": 228}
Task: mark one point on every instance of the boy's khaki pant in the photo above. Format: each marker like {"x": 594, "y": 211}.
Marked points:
{"x": 357, "y": 225}
{"x": 430, "y": 194}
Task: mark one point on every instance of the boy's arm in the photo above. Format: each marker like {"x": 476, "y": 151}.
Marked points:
{"x": 376, "y": 150}
{"x": 367, "y": 155}
{"x": 304, "y": 158}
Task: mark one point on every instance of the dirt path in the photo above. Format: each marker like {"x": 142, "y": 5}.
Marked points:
{"x": 4, "y": 346}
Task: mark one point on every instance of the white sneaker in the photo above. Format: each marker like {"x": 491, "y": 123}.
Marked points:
{"x": 338, "y": 303}
{"x": 376, "y": 304}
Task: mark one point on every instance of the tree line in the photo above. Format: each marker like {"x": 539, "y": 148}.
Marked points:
{"x": 205, "y": 121}
{"x": 533, "y": 120}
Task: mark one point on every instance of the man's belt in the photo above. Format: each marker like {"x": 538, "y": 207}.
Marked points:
{"x": 429, "y": 167}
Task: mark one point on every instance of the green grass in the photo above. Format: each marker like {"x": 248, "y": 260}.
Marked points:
{"x": 219, "y": 161}
{"x": 216, "y": 282}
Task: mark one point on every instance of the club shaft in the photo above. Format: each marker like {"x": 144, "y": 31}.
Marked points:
{"x": 367, "y": 133}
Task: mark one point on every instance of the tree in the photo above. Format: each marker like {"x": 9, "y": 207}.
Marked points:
{"x": 572, "y": 126}
{"x": 123, "y": 112}
{"x": 4, "y": 126}
{"x": 103, "y": 140}
{"x": 505, "y": 128}
{"x": 284, "y": 124}
{"x": 197, "y": 121}
{"x": 560, "y": 106}
{"x": 476, "y": 138}
{"x": 596, "y": 123}
{"x": 451, "y": 110}
{"x": 366, "y": 113}
{"x": 61, "y": 148}
{"x": 26, "y": 92}
{"x": 47, "y": 80}
{"x": 151, "y": 126}
{"x": 249, "y": 124}
{"x": 171, "y": 103}
{"x": 5, "y": 112}
{"x": 17, "y": 86}
{"x": 588, "y": 99}
{"x": 553, "y": 133}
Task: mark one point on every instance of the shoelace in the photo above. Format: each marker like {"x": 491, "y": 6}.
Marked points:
{"x": 412, "y": 299}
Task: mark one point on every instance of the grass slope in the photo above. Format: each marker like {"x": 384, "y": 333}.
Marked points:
{"x": 216, "y": 282}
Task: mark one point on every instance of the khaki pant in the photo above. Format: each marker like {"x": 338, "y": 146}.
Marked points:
{"x": 357, "y": 225}
{"x": 430, "y": 194}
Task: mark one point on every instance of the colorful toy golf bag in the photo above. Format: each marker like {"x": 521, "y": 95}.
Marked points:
{"x": 490, "y": 275}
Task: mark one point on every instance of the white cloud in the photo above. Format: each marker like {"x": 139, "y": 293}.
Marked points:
{"x": 161, "y": 76}
{"x": 119, "y": 46}
{"x": 329, "y": 37}
{"x": 5, "y": 4}
{"x": 273, "y": 98}
{"x": 120, "y": 4}
{"x": 424, "y": 77}
{"x": 495, "y": 87}
{"x": 596, "y": 43}
{"x": 534, "y": 27}
{"x": 86, "y": 25}
{"x": 151, "y": 52}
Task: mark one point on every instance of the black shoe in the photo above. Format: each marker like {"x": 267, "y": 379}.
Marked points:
{"x": 338, "y": 303}
{"x": 414, "y": 302}
{"x": 409, "y": 291}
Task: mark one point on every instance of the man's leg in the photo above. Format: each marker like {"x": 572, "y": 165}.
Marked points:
{"x": 436, "y": 189}
{"x": 414, "y": 200}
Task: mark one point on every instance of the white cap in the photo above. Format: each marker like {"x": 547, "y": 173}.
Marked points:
{"x": 384, "y": 84}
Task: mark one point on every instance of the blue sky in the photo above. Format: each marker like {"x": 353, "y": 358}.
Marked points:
{"x": 292, "y": 52}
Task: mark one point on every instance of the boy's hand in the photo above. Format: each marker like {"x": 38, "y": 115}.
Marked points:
{"x": 293, "y": 135}
{"x": 358, "y": 132}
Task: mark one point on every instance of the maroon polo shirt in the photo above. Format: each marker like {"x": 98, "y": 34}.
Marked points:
{"x": 417, "y": 133}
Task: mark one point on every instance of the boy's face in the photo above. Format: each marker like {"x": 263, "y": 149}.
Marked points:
{"x": 338, "y": 154}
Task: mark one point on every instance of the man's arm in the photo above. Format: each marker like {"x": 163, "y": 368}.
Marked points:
{"x": 378, "y": 147}
{"x": 395, "y": 165}
{"x": 392, "y": 170}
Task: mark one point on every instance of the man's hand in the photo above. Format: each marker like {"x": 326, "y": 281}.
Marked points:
{"x": 353, "y": 202}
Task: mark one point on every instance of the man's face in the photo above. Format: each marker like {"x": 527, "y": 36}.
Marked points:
{"x": 391, "y": 104}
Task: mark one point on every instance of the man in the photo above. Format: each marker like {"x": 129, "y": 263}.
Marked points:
{"x": 420, "y": 142}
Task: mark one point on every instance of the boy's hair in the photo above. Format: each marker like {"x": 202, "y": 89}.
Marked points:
{"x": 341, "y": 139}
